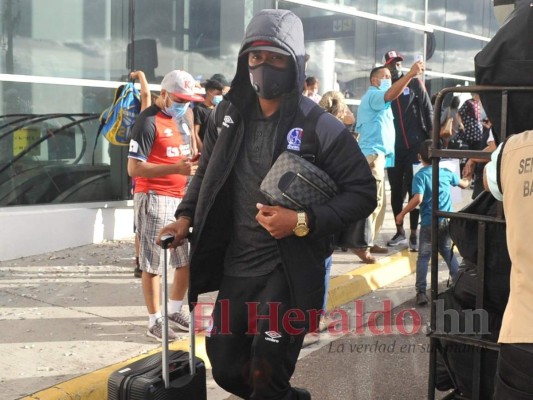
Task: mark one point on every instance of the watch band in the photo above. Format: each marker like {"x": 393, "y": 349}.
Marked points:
{"x": 301, "y": 218}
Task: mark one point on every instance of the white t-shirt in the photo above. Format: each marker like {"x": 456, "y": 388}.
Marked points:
{"x": 491, "y": 136}
{"x": 492, "y": 173}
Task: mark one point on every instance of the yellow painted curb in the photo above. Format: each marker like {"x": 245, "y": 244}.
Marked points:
{"x": 369, "y": 277}
{"x": 342, "y": 289}
{"x": 93, "y": 386}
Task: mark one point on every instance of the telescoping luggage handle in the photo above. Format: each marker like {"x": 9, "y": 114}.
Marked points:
{"x": 165, "y": 242}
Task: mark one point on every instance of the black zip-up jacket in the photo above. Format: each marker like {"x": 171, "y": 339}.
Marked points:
{"x": 413, "y": 117}
{"x": 208, "y": 200}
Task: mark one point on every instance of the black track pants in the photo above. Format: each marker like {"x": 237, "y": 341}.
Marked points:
{"x": 401, "y": 183}
{"x": 254, "y": 361}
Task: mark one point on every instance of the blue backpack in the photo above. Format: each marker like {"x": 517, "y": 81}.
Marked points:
{"x": 116, "y": 122}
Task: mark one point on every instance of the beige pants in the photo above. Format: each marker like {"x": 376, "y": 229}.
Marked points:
{"x": 377, "y": 166}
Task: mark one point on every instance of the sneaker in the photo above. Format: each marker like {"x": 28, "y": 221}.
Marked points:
{"x": 397, "y": 240}
{"x": 311, "y": 338}
{"x": 413, "y": 243}
{"x": 180, "y": 319}
{"x": 421, "y": 299}
{"x": 137, "y": 272}
{"x": 156, "y": 331}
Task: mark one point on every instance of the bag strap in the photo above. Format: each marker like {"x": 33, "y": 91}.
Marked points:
{"x": 219, "y": 112}
{"x": 499, "y": 165}
{"x": 420, "y": 90}
{"x": 528, "y": 48}
{"x": 310, "y": 148}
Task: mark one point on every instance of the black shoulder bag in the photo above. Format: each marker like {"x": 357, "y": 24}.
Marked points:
{"x": 295, "y": 182}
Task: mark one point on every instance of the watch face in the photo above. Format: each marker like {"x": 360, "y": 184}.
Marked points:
{"x": 301, "y": 230}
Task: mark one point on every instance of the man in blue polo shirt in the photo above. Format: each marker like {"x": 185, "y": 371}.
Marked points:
{"x": 376, "y": 139}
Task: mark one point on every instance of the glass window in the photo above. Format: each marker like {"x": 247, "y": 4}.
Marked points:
{"x": 341, "y": 49}
{"x": 202, "y": 37}
{"x": 494, "y": 25}
{"x": 47, "y": 131}
{"x": 408, "y": 42}
{"x": 436, "y": 84}
{"x": 369, "y": 6}
{"x": 405, "y": 10}
{"x": 92, "y": 40}
{"x": 454, "y": 54}
{"x": 465, "y": 16}
{"x": 436, "y": 12}
{"x": 475, "y": 16}
{"x": 47, "y": 147}
{"x": 353, "y": 78}
{"x": 88, "y": 41}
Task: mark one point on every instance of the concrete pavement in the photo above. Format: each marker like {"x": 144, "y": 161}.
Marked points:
{"x": 70, "y": 318}
{"x": 65, "y": 328}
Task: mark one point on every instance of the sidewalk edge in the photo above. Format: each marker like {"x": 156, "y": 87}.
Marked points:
{"x": 365, "y": 279}
{"x": 342, "y": 289}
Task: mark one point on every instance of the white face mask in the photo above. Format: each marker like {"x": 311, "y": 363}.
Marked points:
{"x": 385, "y": 84}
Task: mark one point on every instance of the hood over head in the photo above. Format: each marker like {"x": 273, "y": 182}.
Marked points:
{"x": 272, "y": 30}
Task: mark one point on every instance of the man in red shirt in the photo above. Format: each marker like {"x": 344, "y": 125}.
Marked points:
{"x": 159, "y": 154}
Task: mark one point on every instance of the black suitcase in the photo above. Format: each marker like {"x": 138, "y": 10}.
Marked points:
{"x": 176, "y": 375}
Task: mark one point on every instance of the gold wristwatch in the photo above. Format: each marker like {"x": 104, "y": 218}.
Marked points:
{"x": 301, "y": 229}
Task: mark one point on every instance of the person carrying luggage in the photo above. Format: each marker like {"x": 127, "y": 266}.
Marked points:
{"x": 266, "y": 259}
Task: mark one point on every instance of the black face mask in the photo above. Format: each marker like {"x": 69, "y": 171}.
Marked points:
{"x": 395, "y": 73}
{"x": 270, "y": 82}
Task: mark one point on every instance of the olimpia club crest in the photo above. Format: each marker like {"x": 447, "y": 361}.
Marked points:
{"x": 294, "y": 138}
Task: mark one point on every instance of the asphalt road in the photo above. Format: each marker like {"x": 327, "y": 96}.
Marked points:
{"x": 370, "y": 365}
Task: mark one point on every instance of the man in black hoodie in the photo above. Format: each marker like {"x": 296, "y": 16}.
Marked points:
{"x": 413, "y": 122}
{"x": 266, "y": 261}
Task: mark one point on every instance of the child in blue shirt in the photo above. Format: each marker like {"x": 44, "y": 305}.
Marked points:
{"x": 422, "y": 195}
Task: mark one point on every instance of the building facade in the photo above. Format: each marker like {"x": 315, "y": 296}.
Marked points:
{"x": 61, "y": 61}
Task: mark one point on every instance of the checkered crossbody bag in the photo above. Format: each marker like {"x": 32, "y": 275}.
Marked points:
{"x": 296, "y": 183}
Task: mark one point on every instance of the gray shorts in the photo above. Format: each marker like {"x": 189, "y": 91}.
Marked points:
{"x": 152, "y": 213}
